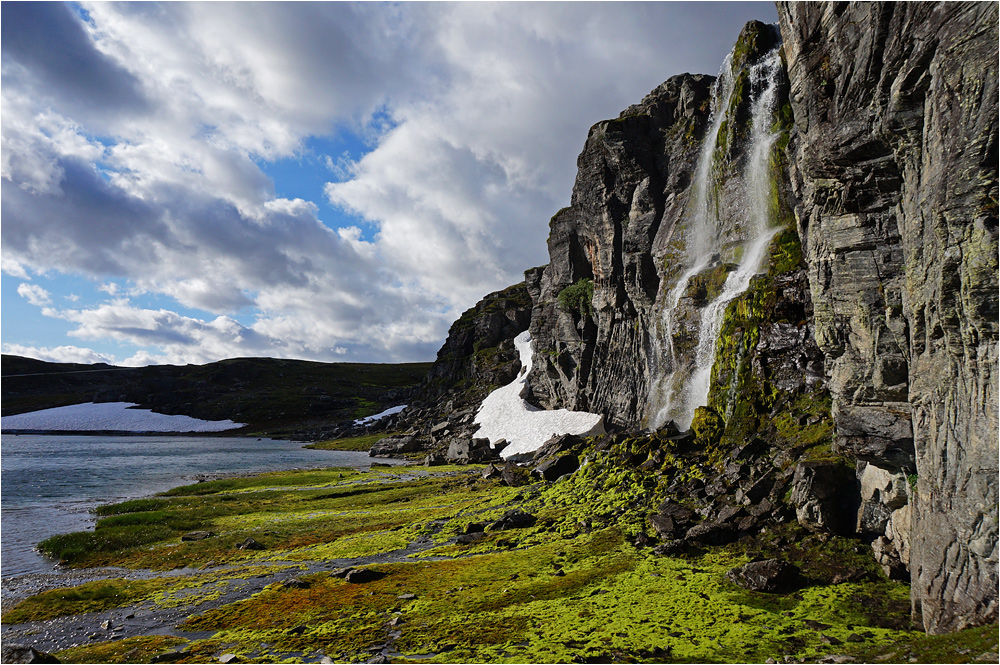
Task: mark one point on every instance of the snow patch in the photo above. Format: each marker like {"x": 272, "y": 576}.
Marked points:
{"x": 505, "y": 415}
{"x": 380, "y": 416}
{"x": 110, "y": 417}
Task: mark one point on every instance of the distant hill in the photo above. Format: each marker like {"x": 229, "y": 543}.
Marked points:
{"x": 270, "y": 395}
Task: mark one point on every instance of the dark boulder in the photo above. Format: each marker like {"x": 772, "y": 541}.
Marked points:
{"x": 394, "y": 445}
{"x": 469, "y": 538}
{"x": 711, "y": 533}
{"x": 19, "y": 653}
{"x": 513, "y": 519}
{"x": 557, "y": 466}
{"x": 363, "y": 575}
{"x": 515, "y": 476}
{"x": 769, "y": 575}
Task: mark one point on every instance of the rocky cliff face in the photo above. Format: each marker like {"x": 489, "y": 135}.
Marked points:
{"x": 815, "y": 302}
{"x": 628, "y": 241}
{"x": 479, "y": 353}
{"x": 894, "y": 162}
{"x": 633, "y": 176}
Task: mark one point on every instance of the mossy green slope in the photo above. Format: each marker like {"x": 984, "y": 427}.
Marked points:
{"x": 570, "y": 588}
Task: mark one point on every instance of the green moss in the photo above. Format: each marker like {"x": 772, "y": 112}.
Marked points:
{"x": 707, "y": 285}
{"x": 363, "y": 442}
{"x": 571, "y": 587}
{"x": 89, "y": 597}
{"x": 131, "y": 650}
{"x": 578, "y": 297}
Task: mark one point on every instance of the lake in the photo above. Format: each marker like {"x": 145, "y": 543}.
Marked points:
{"x": 50, "y": 483}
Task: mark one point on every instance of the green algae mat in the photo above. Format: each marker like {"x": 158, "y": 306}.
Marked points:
{"x": 568, "y": 587}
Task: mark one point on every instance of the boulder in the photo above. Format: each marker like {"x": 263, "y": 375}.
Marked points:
{"x": 434, "y": 459}
{"x": 711, "y": 533}
{"x": 363, "y": 575}
{"x": 470, "y": 450}
{"x": 825, "y": 495}
{"x": 469, "y": 538}
{"x": 19, "y": 653}
{"x": 557, "y": 466}
{"x": 514, "y": 476}
{"x": 513, "y": 519}
{"x": 769, "y": 575}
{"x": 491, "y": 472}
{"x": 395, "y": 445}
{"x": 250, "y": 544}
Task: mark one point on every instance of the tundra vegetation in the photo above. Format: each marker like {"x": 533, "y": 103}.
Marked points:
{"x": 455, "y": 582}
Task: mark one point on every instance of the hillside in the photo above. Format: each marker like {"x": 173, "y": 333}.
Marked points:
{"x": 270, "y": 395}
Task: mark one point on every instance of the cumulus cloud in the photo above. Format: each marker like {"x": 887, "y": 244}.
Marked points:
{"x": 137, "y": 139}
{"x": 34, "y": 294}
{"x": 59, "y": 354}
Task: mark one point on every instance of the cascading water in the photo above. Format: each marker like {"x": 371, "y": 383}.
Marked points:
{"x": 683, "y": 382}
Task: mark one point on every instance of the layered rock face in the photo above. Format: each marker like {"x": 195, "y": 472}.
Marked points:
{"x": 479, "y": 353}
{"x": 639, "y": 213}
{"x": 632, "y": 179}
{"x": 895, "y": 167}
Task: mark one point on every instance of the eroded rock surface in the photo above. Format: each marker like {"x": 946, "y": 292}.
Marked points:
{"x": 895, "y": 167}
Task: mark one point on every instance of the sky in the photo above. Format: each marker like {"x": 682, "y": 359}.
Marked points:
{"x": 188, "y": 182}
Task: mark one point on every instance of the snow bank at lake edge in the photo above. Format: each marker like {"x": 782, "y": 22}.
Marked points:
{"x": 110, "y": 417}
{"x": 504, "y": 414}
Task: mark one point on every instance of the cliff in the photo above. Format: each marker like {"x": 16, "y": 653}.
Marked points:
{"x": 895, "y": 170}
{"x": 873, "y": 308}
{"x": 778, "y": 286}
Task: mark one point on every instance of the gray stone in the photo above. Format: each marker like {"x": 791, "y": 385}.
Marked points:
{"x": 196, "y": 535}
{"x": 395, "y": 445}
{"x": 894, "y": 155}
{"x": 769, "y": 575}
{"x": 435, "y": 459}
{"x": 250, "y": 544}
{"x": 19, "y": 653}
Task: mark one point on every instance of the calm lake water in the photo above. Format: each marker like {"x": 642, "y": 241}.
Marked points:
{"x": 50, "y": 483}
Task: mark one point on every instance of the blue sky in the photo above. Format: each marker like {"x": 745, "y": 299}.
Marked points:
{"x": 186, "y": 182}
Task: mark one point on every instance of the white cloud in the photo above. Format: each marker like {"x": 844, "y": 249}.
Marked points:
{"x": 474, "y": 114}
{"x": 34, "y": 294}
{"x": 59, "y": 354}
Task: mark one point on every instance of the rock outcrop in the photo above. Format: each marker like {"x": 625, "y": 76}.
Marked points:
{"x": 894, "y": 162}
{"x": 852, "y": 377}
{"x": 594, "y": 301}
{"x": 479, "y": 353}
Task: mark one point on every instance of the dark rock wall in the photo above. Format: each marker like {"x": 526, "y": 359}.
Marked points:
{"x": 478, "y": 354}
{"x": 895, "y": 167}
{"x": 633, "y": 176}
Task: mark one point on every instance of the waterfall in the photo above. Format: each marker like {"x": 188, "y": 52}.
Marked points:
{"x": 711, "y": 225}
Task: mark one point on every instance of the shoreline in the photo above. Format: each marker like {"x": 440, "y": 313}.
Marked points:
{"x": 72, "y": 510}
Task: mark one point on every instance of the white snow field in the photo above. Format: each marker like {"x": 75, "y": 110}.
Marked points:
{"x": 110, "y": 417}
{"x": 380, "y": 416}
{"x": 505, "y": 415}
